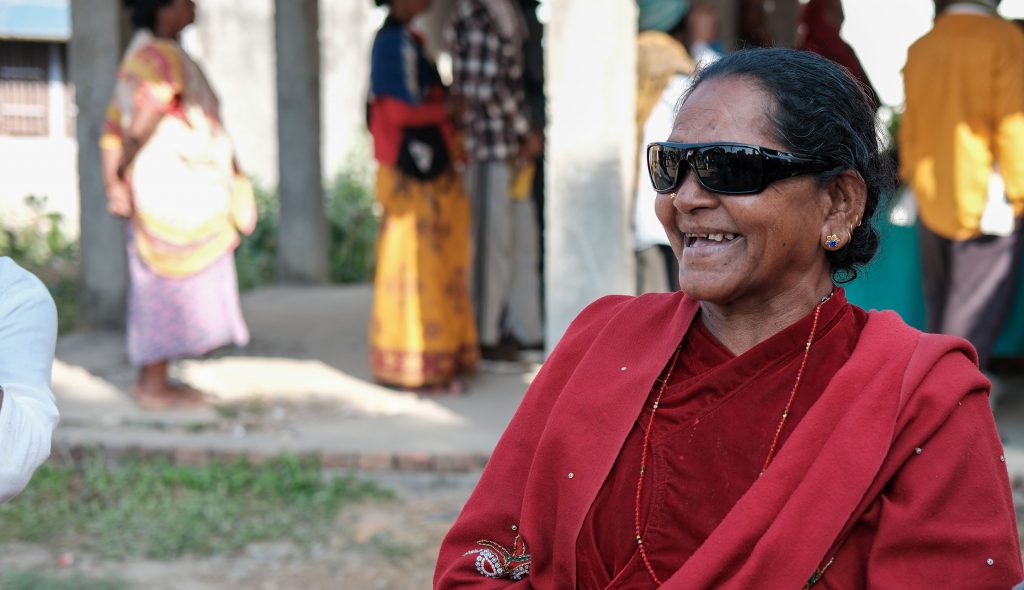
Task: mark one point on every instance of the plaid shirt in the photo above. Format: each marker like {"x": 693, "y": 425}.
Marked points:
{"x": 487, "y": 72}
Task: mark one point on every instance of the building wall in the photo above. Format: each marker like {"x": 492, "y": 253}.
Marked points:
{"x": 41, "y": 167}
{"x": 37, "y": 147}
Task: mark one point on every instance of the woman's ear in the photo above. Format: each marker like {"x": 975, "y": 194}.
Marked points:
{"x": 847, "y": 195}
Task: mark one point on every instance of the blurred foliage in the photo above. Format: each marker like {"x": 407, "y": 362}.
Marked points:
{"x": 26, "y": 580}
{"x": 352, "y": 232}
{"x": 39, "y": 245}
{"x": 256, "y": 257}
{"x": 352, "y": 225}
{"x": 158, "y": 510}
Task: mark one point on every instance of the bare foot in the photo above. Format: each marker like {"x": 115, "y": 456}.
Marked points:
{"x": 167, "y": 397}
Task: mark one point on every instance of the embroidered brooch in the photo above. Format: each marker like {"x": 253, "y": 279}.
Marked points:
{"x": 495, "y": 561}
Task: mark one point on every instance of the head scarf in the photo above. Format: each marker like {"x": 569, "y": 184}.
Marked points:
{"x": 662, "y": 15}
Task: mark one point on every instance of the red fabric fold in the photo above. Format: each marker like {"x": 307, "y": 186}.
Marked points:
{"x": 847, "y": 484}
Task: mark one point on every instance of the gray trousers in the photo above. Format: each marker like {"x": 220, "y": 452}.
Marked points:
{"x": 969, "y": 285}
{"x": 505, "y": 278}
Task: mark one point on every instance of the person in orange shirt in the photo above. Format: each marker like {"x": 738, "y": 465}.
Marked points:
{"x": 961, "y": 143}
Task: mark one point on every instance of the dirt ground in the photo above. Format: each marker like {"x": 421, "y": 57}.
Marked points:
{"x": 386, "y": 545}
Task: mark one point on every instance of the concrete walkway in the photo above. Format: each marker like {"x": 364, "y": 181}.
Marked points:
{"x": 303, "y": 386}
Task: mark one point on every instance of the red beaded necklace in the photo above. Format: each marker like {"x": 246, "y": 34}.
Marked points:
{"x": 771, "y": 449}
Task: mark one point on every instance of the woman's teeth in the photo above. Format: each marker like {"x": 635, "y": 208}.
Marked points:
{"x": 728, "y": 237}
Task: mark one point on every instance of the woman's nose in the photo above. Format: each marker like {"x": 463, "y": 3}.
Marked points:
{"x": 691, "y": 196}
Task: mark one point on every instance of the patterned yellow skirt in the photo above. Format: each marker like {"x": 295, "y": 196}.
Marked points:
{"x": 422, "y": 331}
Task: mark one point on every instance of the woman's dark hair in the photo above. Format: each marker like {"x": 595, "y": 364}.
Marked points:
{"x": 819, "y": 108}
{"x": 144, "y": 12}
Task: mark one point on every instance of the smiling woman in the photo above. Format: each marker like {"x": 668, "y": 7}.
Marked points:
{"x": 754, "y": 430}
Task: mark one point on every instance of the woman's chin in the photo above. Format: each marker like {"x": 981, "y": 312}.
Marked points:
{"x": 709, "y": 287}
{"x": 709, "y": 294}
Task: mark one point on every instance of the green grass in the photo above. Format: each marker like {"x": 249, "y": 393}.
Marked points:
{"x": 158, "y": 510}
{"x": 25, "y": 580}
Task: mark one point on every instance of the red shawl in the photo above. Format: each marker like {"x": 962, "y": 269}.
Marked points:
{"x": 850, "y": 462}
{"x": 710, "y": 438}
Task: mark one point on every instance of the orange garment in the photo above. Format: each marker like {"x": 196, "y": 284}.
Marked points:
{"x": 964, "y": 84}
{"x": 422, "y": 331}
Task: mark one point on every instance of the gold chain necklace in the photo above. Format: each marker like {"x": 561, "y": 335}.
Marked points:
{"x": 771, "y": 448}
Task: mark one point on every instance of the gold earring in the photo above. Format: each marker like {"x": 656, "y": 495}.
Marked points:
{"x": 832, "y": 242}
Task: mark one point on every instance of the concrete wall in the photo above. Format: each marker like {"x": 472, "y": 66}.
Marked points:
{"x": 40, "y": 166}
{"x": 234, "y": 42}
{"x": 347, "y": 28}
{"x": 591, "y": 79}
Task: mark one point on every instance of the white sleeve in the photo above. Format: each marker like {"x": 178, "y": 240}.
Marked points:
{"x": 28, "y": 414}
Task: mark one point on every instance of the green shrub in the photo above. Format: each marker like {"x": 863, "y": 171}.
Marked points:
{"x": 42, "y": 248}
{"x": 256, "y": 256}
{"x": 351, "y": 226}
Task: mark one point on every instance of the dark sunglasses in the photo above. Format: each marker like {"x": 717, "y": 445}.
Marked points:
{"x": 726, "y": 168}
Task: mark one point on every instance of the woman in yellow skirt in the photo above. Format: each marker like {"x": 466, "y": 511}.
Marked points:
{"x": 422, "y": 332}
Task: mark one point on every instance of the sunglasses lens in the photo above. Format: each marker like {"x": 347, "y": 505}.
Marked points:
{"x": 729, "y": 168}
{"x": 663, "y": 163}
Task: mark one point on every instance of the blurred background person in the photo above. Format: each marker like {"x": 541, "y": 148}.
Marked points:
{"x": 964, "y": 119}
{"x": 752, "y": 26}
{"x": 169, "y": 169}
{"x": 663, "y": 73}
{"x": 703, "y": 30}
{"x": 486, "y": 39}
{"x": 28, "y": 414}
{"x": 422, "y": 331}
{"x": 537, "y": 102}
{"x": 818, "y": 31}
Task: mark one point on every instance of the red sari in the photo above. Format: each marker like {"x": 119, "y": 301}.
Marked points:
{"x": 847, "y": 488}
{"x": 711, "y": 436}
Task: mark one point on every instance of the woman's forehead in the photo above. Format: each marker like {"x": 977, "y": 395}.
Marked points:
{"x": 724, "y": 109}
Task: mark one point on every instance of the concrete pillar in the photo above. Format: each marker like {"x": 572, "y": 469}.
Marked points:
{"x": 302, "y": 245}
{"x": 94, "y": 53}
{"x": 591, "y": 80}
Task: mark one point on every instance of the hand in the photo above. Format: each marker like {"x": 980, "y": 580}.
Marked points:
{"x": 703, "y": 24}
{"x": 119, "y": 199}
{"x": 531, "y": 147}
